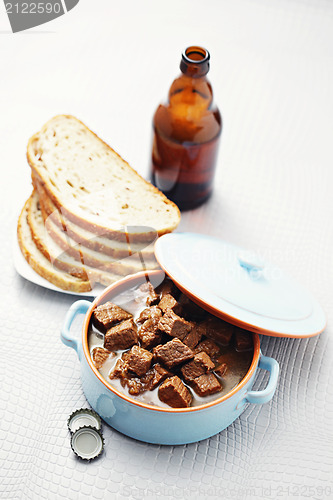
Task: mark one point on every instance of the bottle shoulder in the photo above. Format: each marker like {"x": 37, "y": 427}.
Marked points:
{"x": 193, "y": 91}
{"x": 184, "y": 122}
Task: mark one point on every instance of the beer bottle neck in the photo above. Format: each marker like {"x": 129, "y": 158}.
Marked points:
{"x": 195, "y": 62}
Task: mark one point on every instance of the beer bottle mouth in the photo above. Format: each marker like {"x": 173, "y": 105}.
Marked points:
{"x": 196, "y": 55}
{"x": 195, "y": 61}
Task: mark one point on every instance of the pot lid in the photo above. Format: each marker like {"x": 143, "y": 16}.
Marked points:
{"x": 238, "y": 286}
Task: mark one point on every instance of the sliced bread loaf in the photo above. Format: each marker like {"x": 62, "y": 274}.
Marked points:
{"x": 41, "y": 265}
{"x": 116, "y": 249}
{"x": 94, "y": 186}
{"x": 55, "y": 254}
{"x": 63, "y": 259}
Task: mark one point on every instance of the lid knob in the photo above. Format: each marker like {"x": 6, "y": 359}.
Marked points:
{"x": 250, "y": 261}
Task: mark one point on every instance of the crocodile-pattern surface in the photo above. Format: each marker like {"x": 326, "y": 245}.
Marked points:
{"x": 273, "y": 194}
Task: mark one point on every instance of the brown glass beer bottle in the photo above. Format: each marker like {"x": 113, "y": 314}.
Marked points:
{"x": 187, "y": 132}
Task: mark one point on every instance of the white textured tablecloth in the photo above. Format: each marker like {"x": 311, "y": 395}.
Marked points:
{"x": 110, "y": 63}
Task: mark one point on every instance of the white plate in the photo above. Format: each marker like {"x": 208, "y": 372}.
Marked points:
{"x": 24, "y": 270}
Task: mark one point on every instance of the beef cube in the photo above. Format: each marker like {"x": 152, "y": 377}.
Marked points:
{"x": 174, "y": 393}
{"x": 119, "y": 370}
{"x": 209, "y": 347}
{"x": 190, "y": 309}
{"x": 107, "y": 315}
{"x": 155, "y": 376}
{"x": 150, "y": 313}
{"x": 174, "y": 325}
{"x": 160, "y": 374}
{"x": 203, "y": 359}
{"x": 138, "y": 360}
{"x": 200, "y": 364}
{"x": 122, "y": 336}
{"x": 218, "y": 330}
{"x": 152, "y": 297}
{"x": 173, "y": 353}
{"x": 243, "y": 340}
{"x": 169, "y": 302}
{"x": 99, "y": 356}
{"x": 149, "y": 333}
{"x": 193, "y": 338}
{"x": 221, "y": 369}
{"x": 167, "y": 287}
{"x": 206, "y": 384}
{"x": 134, "y": 384}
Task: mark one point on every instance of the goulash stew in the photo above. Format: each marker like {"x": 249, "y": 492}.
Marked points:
{"x": 159, "y": 347}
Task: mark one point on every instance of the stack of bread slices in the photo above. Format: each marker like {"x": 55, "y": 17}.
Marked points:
{"x": 90, "y": 218}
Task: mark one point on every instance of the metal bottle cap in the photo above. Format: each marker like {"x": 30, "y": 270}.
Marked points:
{"x": 82, "y": 418}
{"x": 87, "y": 443}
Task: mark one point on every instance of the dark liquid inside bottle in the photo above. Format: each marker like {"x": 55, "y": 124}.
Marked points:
{"x": 186, "y": 135}
{"x": 188, "y": 180}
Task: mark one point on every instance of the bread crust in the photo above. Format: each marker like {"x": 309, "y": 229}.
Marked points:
{"x": 89, "y": 225}
{"x": 78, "y": 272}
{"x": 56, "y": 277}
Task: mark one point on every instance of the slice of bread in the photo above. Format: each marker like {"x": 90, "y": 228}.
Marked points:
{"x": 40, "y": 263}
{"x": 56, "y": 255}
{"x": 43, "y": 241}
{"x": 99, "y": 243}
{"x": 62, "y": 244}
{"x": 93, "y": 186}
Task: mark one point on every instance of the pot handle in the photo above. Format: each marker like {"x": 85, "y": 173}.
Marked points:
{"x": 261, "y": 397}
{"x": 79, "y": 307}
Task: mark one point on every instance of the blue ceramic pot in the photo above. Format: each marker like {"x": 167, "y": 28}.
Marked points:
{"x": 169, "y": 426}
